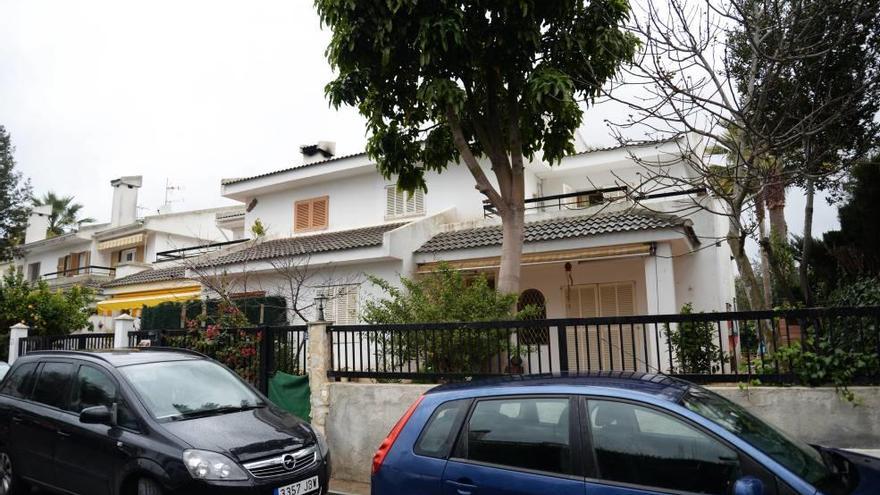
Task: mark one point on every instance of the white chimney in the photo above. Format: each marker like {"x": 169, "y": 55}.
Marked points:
{"x": 323, "y": 150}
{"x": 125, "y": 195}
{"x": 38, "y": 224}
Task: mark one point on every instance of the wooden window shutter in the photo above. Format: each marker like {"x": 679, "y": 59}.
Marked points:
{"x": 302, "y": 215}
{"x": 320, "y": 213}
{"x": 311, "y": 214}
{"x": 60, "y": 267}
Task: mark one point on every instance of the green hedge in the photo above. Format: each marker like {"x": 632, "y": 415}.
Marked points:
{"x": 166, "y": 316}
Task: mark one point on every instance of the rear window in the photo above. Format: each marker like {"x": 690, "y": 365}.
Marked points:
{"x": 20, "y": 382}
{"x": 439, "y": 434}
{"x": 52, "y": 385}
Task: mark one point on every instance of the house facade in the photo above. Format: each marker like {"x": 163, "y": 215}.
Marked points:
{"x": 99, "y": 255}
{"x": 603, "y": 236}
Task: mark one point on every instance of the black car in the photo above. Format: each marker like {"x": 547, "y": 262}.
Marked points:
{"x": 149, "y": 422}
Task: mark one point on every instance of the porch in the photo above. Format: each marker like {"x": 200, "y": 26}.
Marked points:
{"x": 610, "y": 265}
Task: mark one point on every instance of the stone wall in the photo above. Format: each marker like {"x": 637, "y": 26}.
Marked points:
{"x": 361, "y": 415}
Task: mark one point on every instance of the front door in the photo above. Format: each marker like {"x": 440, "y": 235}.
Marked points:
{"x": 516, "y": 446}
{"x": 88, "y": 455}
{"x": 608, "y": 346}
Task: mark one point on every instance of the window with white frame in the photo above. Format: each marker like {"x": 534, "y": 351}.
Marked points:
{"x": 342, "y": 304}
{"x": 403, "y": 204}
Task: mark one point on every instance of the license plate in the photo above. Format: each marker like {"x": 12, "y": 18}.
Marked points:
{"x": 300, "y": 487}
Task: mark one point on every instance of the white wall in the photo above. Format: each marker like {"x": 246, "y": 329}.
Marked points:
{"x": 48, "y": 258}
{"x": 200, "y": 224}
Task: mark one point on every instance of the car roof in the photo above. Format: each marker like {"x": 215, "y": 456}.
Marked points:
{"x": 659, "y": 386}
{"x": 125, "y": 357}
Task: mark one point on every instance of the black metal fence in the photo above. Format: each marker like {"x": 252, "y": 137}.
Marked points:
{"x": 254, "y": 353}
{"x": 773, "y": 346}
{"x": 77, "y": 342}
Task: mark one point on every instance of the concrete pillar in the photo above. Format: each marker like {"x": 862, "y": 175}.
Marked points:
{"x": 16, "y": 333}
{"x": 318, "y": 363}
{"x": 122, "y": 325}
{"x": 660, "y": 291}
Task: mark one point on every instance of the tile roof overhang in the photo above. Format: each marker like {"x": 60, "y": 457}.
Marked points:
{"x": 148, "y": 276}
{"x": 306, "y": 244}
{"x": 561, "y": 228}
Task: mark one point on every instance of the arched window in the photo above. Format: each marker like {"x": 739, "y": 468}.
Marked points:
{"x": 533, "y": 335}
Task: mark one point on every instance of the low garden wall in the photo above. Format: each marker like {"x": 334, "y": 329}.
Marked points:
{"x": 360, "y": 416}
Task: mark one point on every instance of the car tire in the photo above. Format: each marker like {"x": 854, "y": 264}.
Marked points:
{"x": 146, "y": 486}
{"x": 10, "y": 483}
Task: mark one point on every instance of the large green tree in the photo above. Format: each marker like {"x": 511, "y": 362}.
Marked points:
{"x": 14, "y": 194}
{"x": 44, "y": 310}
{"x": 443, "y": 81}
{"x": 65, "y": 213}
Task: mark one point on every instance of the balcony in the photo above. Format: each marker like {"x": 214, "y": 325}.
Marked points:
{"x": 194, "y": 251}
{"x": 92, "y": 276}
{"x": 580, "y": 200}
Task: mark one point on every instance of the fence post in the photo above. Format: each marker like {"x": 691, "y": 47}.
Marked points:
{"x": 267, "y": 355}
{"x": 318, "y": 364}
{"x": 122, "y": 325}
{"x": 16, "y": 333}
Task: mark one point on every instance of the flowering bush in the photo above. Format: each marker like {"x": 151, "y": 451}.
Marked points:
{"x": 226, "y": 339}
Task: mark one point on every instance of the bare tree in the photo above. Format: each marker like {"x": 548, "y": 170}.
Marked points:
{"x": 716, "y": 72}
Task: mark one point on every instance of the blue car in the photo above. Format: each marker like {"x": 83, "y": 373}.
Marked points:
{"x": 602, "y": 434}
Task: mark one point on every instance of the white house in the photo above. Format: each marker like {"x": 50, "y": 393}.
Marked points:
{"x": 590, "y": 249}
{"x": 99, "y": 254}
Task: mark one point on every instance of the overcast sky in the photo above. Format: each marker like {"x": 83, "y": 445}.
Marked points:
{"x": 185, "y": 91}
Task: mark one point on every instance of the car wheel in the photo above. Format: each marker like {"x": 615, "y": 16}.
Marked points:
{"x": 10, "y": 484}
{"x": 146, "y": 486}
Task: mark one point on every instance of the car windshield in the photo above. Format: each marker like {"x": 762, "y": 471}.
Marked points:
{"x": 794, "y": 455}
{"x": 177, "y": 390}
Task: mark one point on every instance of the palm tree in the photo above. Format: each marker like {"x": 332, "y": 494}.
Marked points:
{"x": 64, "y": 214}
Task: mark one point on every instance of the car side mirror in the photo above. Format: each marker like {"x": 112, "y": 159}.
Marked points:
{"x": 98, "y": 415}
{"x": 748, "y": 485}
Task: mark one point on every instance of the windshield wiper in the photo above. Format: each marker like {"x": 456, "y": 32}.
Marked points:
{"x": 201, "y": 413}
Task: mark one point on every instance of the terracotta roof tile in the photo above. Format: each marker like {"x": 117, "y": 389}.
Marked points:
{"x": 146, "y": 276}
{"x": 307, "y": 244}
{"x": 553, "y": 229}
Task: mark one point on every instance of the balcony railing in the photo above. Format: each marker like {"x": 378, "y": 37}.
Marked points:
{"x": 580, "y": 200}
{"x": 100, "y": 271}
{"x": 194, "y": 251}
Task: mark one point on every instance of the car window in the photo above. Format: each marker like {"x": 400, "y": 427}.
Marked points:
{"x": 20, "y": 382}
{"x": 92, "y": 387}
{"x": 527, "y": 433}
{"x": 51, "y": 387}
{"x": 125, "y": 417}
{"x": 177, "y": 390}
{"x": 642, "y": 446}
{"x": 439, "y": 434}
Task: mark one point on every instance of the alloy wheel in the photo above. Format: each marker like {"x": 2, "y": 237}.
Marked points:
{"x": 5, "y": 474}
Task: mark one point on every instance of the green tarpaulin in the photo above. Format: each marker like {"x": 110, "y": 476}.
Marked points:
{"x": 291, "y": 393}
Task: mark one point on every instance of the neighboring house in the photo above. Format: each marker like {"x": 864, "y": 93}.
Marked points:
{"x": 100, "y": 255}
{"x": 589, "y": 250}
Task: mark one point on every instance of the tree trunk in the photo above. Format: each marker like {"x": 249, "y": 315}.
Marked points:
{"x": 807, "y": 246}
{"x": 765, "y": 255}
{"x": 774, "y": 197}
{"x": 513, "y": 228}
{"x": 737, "y": 246}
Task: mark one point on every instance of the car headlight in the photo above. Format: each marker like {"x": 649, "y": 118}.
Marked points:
{"x": 211, "y": 466}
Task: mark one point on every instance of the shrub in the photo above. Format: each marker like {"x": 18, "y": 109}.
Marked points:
{"x": 694, "y": 345}
{"x": 445, "y": 296}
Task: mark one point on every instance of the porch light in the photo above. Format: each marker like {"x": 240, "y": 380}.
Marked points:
{"x": 320, "y": 299}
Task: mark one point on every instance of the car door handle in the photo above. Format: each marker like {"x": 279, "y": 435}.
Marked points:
{"x": 463, "y": 486}
{"x": 63, "y": 434}
{"x": 17, "y": 419}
